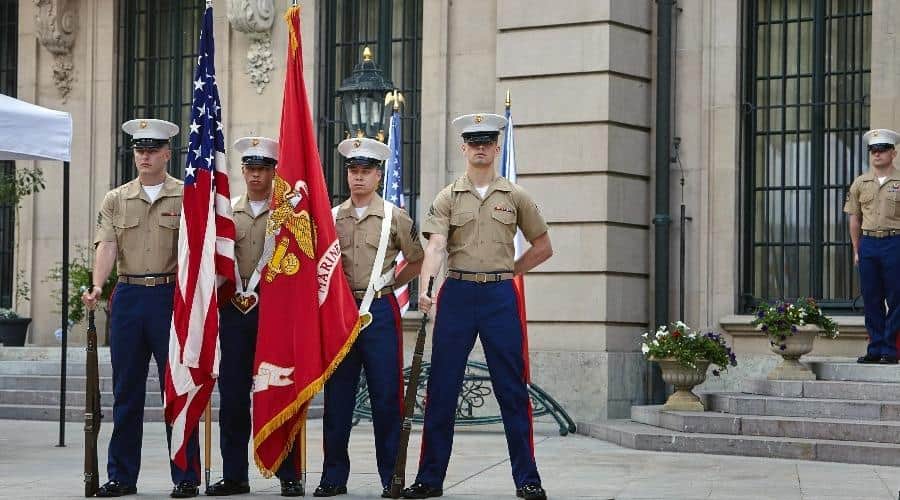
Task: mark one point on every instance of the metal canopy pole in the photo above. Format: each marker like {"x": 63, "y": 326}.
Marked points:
{"x": 65, "y": 305}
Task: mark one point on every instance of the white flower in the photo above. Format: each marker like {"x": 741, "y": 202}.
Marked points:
{"x": 692, "y": 335}
{"x": 680, "y": 324}
{"x": 655, "y": 342}
{"x": 646, "y": 334}
{"x": 645, "y": 348}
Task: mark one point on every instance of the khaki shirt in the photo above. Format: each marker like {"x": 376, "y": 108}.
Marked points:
{"x": 145, "y": 233}
{"x": 480, "y": 232}
{"x": 251, "y": 236}
{"x": 878, "y": 204}
{"x": 360, "y": 237}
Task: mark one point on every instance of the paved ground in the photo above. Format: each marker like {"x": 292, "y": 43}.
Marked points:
{"x": 31, "y": 466}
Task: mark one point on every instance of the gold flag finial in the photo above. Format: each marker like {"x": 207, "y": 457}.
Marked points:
{"x": 508, "y": 100}
{"x": 395, "y": 97}
{"x": 367, "y": 54}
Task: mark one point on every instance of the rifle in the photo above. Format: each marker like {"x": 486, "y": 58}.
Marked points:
{"x": 92, "y": 413}
{"x": 409, "y": 403}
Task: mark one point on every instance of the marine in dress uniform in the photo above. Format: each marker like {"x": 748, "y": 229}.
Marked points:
{"x": 379, "y": 348}
{"x": 137, "y": 230}
{"x": 873, "y": 204}
{"x": 238, "y": 321}
{"x": 475, "y": 221}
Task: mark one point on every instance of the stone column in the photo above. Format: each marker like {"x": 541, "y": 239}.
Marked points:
{"x": 579, "y": 74}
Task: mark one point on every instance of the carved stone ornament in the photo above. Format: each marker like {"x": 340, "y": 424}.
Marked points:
{"x": 255, "y": 18}
{"x": 56, "y": 22}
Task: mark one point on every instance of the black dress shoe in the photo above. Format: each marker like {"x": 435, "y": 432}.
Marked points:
{"x": 185, "y": 489}
{"x": 386, "y": 492}
{"x": 292, "y": 488}
{"x": 868, "y": 359}
{"x": 419, "y": 490}
{"x": 329, "y": 490}
{"x": 888, "y": 360}
{"x": 115, "y": 489}
{"x": 531, "y": 492}
{"x": 227, "y": 487}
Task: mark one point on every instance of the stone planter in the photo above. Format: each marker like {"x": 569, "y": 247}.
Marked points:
{"x": 13, "y": 331}
{"x": 684, "y": 378}
{"x": 791, "y": 349}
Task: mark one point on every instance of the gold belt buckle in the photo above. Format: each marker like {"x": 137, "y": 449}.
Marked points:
{"x": 481, "y": 277}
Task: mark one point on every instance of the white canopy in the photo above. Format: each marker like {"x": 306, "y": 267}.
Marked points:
{"x": 30, "y": 132}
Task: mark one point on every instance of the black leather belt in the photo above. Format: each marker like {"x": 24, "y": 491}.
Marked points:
{"x": 883, "y": 233}
{"x": 147, "y": 280}
{"x": 360, "y": 294}
{"x": 479, "y": 277}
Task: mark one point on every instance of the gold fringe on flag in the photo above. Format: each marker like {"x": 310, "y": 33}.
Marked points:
{"x": 289, "y": 16}
{"x": 302, "y": 398}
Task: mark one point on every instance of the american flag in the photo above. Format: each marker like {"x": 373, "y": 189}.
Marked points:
{"x": 393, "y": 192}
{"x": 205, "y": 257}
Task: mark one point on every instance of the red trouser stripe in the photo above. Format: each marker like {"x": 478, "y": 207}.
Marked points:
{"x": 519, "y": 286}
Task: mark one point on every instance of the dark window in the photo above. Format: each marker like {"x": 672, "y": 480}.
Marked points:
{"x": 392, "y": 29}
{"x": 157, "y": 56}
{"x": 9, "y": 34}
{"x": 806, "y": 107}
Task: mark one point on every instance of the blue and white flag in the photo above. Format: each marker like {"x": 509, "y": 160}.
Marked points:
{"x": 508, "y": 170}
{"x": 393, "y": 192}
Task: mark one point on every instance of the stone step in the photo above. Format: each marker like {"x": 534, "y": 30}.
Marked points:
{"x": 870, "y": 431}
{"x": 855, "y": 372}
{"x": 752, "y": 404}
{"x": 73, "y": 413}
{"x": 53, "y": 368}
{"x": 32, "y": 397}
{"x": 75, "y": 353}
{"x": 640, "y": 436}
{"x": 824, "y": 389}
{"x": 51, "y": 382}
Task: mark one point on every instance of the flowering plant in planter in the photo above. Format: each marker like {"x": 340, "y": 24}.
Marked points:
{"x": 687, "y": 346}
{"x": 782, "y": 319}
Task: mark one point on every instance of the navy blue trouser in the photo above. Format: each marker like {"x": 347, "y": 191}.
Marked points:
{"x": 879, "y": 281}
{"x": 139, "y": 326}
{"x": 378, "y": 350}
{"x": 466, "y": 310}
{"x": 237, "y": 342}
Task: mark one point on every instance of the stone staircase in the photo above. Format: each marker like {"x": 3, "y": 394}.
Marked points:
{"x": 30, "y": 386}
{"x": 851, "y": 414}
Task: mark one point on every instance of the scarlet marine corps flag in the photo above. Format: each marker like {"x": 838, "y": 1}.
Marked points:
{"x": 308, "y": 317}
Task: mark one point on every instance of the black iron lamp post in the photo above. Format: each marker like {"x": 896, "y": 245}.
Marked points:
{"x": 362, "y": 96}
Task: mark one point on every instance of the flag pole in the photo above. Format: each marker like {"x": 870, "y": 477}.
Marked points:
{"x": 303, "y": 454}
{"x": 207, "y": 442}
{"x": 508, "y": 100}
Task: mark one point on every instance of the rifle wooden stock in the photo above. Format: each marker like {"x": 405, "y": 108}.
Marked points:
{"x": 409, "y": 405}
{"x": 92, "y": 413}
